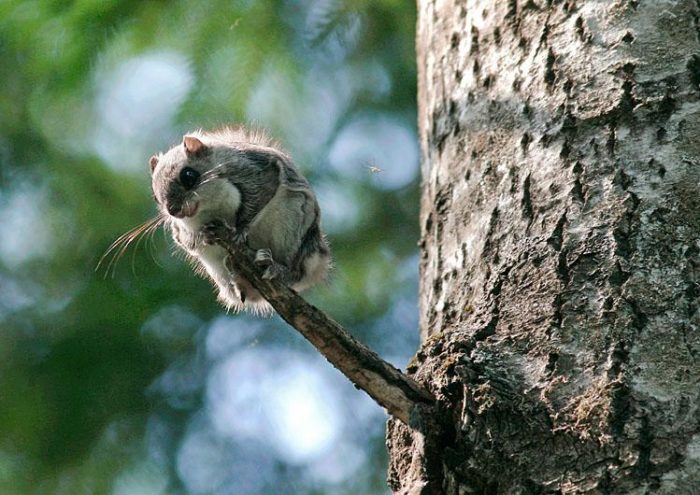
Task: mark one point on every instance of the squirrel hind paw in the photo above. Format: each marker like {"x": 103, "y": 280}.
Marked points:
{"x": 263, "y": 257}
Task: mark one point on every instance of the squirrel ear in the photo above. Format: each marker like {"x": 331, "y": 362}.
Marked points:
{"x": 153, "y": 162}
{"x": 193, "y": 146}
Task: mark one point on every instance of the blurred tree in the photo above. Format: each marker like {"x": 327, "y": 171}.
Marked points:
{"x": 559, "y": 295}
{"x": 130, "y": 380}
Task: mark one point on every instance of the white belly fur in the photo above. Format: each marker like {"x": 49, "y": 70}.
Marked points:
{"x": 219, "y": 200}
{"x": 212, "y": 259}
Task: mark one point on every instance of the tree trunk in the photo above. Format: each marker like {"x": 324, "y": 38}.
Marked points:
{"x": 560, "y": 258}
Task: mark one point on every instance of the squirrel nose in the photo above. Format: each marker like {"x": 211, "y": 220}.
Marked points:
{"x": 174, "y": 211}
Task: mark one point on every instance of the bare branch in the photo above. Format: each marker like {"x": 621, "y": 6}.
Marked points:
{"x": 390, "y": 388}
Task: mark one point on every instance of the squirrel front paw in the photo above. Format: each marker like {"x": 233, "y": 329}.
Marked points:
{"x": 217, "y": 231}
{"x": 240, "y": 236}
{"x": 263, "y": 258}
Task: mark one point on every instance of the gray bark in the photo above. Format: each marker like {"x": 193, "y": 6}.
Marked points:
{"x": 560, "y": 259}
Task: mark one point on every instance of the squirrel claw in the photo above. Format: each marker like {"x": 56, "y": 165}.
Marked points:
{"x": 240, "y": 236}
{"x": 209, "y": 235}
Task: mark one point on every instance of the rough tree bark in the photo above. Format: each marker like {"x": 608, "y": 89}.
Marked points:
{"x": 560, "y": 256}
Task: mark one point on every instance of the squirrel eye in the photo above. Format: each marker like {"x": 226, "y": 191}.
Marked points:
{"x": 188, "y": 177}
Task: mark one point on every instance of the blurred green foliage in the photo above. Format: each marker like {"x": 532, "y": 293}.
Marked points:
{"x": 79, "y": 372}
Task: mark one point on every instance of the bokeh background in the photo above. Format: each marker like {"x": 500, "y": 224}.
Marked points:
{"x": 130, "y": 379}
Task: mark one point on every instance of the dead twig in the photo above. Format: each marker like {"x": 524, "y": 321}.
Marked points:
{"x": 390, "y": 388}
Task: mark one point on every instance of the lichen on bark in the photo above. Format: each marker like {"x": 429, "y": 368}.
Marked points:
{"x": 560, "y": 261}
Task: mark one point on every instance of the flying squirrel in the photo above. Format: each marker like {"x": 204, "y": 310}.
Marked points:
{"x": 241, "y": 179}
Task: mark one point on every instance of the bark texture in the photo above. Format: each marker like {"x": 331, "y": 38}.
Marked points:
{"x": 560, "y": 254}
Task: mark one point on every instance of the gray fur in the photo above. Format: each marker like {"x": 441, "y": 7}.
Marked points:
{"x": 247, "y": 183}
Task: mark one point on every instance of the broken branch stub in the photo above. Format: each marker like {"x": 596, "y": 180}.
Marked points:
{"x": 390, "y": 388}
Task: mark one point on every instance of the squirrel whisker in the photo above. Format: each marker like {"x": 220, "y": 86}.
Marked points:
{"x": 121, "y": 244}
